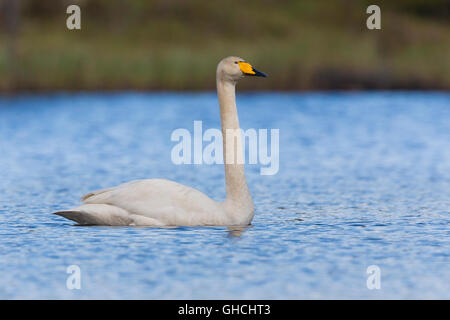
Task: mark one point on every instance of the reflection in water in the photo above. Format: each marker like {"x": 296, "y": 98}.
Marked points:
{"x": 237, "y": 231}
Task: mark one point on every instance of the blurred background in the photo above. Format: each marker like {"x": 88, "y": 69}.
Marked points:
{"x": 176, "y": 44}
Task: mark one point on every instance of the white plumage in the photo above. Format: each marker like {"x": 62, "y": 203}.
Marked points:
{"x": 158, "y": 202}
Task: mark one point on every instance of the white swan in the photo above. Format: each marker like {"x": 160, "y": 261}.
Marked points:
{"x": 157, "y": 202}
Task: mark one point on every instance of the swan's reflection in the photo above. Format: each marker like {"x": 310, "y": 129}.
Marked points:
{"x": 237, "y": 231}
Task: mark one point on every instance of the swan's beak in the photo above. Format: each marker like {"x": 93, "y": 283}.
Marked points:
{"x": 248, "y": 70}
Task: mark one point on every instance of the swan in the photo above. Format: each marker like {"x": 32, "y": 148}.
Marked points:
{"x": 158, "y": 202}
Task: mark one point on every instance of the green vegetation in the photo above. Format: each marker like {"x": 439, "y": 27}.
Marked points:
{"x": 176, "y": 44}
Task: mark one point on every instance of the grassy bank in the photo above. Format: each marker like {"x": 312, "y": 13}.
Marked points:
{"x": 175, "y": 45}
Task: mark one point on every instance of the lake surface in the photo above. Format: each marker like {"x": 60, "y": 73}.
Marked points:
{"x": 364, "y": 179}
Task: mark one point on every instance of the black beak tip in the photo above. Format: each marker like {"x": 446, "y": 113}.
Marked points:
{"x": 259, "y": 73}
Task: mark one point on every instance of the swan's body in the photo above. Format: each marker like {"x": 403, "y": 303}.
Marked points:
{"x": 158, "y": 202}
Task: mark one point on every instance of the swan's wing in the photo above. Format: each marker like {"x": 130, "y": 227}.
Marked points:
{"x": 93, "y": 193}
{"x": 169, "y": 202}
{"x": 85, "y": 197}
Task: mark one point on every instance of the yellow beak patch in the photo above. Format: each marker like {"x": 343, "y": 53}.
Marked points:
{"x": 246, "y": 68}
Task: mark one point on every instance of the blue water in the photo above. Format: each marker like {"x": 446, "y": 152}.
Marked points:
{"x": 364, "y": 180}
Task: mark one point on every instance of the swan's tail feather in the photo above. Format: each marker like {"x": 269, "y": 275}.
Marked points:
{"x": 82, "y": 218}
{"x": 97, "y": 214}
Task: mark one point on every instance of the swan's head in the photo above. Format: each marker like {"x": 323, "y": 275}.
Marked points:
{"x": 235, "y": 68}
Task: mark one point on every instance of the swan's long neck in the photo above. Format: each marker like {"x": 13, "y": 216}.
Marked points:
{"x": 236, "y": 183}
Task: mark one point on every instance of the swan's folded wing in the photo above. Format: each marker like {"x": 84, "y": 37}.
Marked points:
{"x": 161, "y": 199}
{"x": 93, "y": 195}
